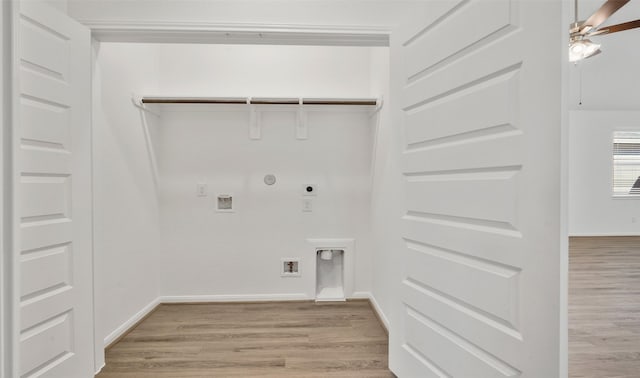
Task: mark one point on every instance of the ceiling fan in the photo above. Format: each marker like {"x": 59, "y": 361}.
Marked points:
{"x": 580, "y": 47}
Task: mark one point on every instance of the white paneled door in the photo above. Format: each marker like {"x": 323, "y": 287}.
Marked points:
{"x": 52, "y": 165}
{"x": 476, "y": 86}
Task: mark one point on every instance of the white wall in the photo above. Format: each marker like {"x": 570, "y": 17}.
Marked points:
{"x": 238, "y": 255}
{"x": 592, "y": 209}
{"x": 126, "y": 212}
{"x": 264, "y": 71}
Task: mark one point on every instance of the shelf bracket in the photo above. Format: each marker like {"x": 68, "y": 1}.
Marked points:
{"x": 255, "y": 122}
{"x": 137, "y": 102}
{"x": 302, "y": 131}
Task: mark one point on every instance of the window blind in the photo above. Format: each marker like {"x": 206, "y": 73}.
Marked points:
{"x": 626, "y": 163}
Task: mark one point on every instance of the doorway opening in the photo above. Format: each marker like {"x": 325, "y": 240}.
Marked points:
{"x": 177, "y": 160}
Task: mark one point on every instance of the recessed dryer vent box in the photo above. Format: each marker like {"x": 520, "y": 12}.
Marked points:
{"x": 225, "y": 203}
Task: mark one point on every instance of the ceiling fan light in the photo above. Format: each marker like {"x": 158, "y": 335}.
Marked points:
{"x": 576, "y": 48}
{"x": 582, "y": 49}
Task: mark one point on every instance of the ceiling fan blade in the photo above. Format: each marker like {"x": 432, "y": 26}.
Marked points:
{"x": 623, "y": 26}
{"x": 601, "y": 15}
{"x": 617, "y": 28}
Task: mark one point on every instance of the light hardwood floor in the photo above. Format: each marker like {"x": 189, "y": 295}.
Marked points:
{"x": 604, "y": 307}
{"x": 271, "y": 339}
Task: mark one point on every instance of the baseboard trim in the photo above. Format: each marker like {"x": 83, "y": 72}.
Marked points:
{"x": 130, "y": 324}
{"x": 233, "y": 298}
{"x": 375, "y": 306}
{"x": 100, "y": 369}
{"x": 378, "y": 310}
{"x": 597, "y": 234}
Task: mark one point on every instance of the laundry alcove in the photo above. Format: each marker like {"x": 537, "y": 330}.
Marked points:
{"x": 172, "y": 162}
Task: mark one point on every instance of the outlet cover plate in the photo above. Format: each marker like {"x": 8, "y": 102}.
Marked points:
{"x": 307, "y": 205}
{"x": 290, "y": 267}
{"x": 201, "y": 190}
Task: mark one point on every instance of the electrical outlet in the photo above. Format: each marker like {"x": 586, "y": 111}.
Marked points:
{"x": 201, "y": 190}
{"x": 307, "y": 205}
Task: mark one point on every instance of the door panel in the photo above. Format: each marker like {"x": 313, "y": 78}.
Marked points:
{"x": 461, "y": 27}
{"x": 53, "y": 193}
{"x": 478, "y": 89}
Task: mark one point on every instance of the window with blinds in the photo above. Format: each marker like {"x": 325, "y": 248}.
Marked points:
{"x": 626, "y": 164}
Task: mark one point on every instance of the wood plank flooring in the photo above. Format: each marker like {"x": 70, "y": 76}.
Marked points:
{"x": 604, "y": 307}
{"x": 271, "y": 339}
